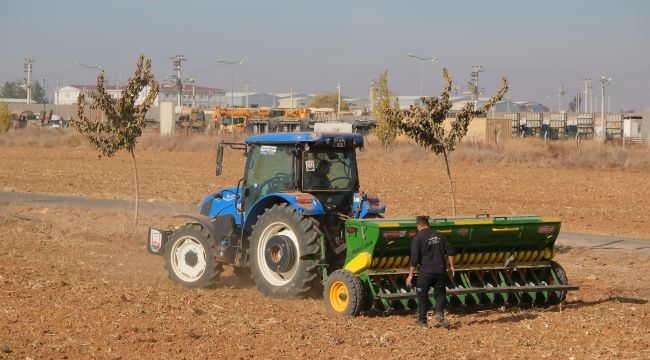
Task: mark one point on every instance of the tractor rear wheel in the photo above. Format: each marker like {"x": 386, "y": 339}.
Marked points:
{"x": 190, "y": 257}
{"x": 284, "y": 253}
{"x": 343, "y": 294}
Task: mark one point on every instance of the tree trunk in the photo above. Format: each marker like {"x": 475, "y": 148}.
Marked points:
{"x": 451, "y": 184}
{"x": 137, "y": 194}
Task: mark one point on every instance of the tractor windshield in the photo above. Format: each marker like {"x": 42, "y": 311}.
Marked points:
{"x": 329, "y": 170}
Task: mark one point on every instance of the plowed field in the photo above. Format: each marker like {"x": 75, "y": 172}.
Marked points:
{"x": 78, "y": 283}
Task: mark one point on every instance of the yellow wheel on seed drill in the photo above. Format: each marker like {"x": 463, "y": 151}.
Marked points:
{"x": 339, "y": 296}
{"x": 343, "y": 293}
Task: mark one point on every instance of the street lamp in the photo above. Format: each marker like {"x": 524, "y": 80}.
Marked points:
{"x": 232, "y": 79}
{"x": 84, "y": 88}
{"x": 100, "y": 68}
{"x": 423, "y": 60}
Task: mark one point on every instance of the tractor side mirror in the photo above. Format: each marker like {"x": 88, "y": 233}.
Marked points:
{"x": 219, "y": 160}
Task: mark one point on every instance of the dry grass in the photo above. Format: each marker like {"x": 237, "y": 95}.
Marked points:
{"x": 527, "y": 152}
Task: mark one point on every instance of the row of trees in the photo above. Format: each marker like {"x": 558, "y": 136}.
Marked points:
{"x": 15, "y": 90}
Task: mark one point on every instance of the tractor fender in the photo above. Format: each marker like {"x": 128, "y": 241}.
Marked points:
{"x": 219, "y": 227}
{"x": 306, "y": 204}
{"x": 222, "y": 202}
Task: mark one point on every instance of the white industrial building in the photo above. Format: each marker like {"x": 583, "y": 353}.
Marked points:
{"x": 263, "y": 99}
{"x": 203, "y": 96}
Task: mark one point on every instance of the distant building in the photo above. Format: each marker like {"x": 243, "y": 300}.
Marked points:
{"x": 458, "y": 102}
{"x": 298, "y": 102}
{"x": 263, "y": 99}
{"x": 68, "y": 94}
{"x": 254, "y": 99}
{"x": 203, "y": 96}
{"x": 406, "y": 100}
{"x": 531, "y": 106}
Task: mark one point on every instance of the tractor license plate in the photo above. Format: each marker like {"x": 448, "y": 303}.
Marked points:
{"x": 156, "y": 240}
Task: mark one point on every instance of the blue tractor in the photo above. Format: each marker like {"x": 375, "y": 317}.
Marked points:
{"x": 283, "y": 222}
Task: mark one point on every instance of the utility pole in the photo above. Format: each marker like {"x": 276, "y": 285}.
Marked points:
{"x": 338, "y": 112}
{"x": 586, "y": 83}
{"x": 604, "y": 81}
{"x": 476, "y": 70}
{"x": 178, "y": 61}
{"x": 292, "y": 104}
{"x": 56, "y": 91}
{"x": 560, "y": 94}
{"x": 28, "y": 69}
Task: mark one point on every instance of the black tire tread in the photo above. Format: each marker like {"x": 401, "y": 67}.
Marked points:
{"x": 310, "y": 279}
{"x": 213, "y": 268}
{"x": 560, "y": 296}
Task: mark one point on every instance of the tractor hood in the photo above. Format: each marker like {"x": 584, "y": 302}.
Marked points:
{"x": 306, "y": 137}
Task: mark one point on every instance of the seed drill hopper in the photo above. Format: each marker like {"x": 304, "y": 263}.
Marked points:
{"x": 499, "y": 260}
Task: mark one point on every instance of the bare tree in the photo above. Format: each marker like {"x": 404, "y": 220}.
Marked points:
{"x": 425, "y": 123}
{"x": 124, "y": 119}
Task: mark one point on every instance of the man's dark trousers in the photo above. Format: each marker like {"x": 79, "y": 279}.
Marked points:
{"x": 424, "y": 283}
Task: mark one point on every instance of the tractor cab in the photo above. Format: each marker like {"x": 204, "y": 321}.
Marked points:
{"x": 314, "y": 172}
{"x": 322, "y": 168}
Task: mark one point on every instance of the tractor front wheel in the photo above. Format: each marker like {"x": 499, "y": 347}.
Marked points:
{"x": 284, "y": 253}
{"x": 343, "y": 294}
{"x": 190, "y": 257}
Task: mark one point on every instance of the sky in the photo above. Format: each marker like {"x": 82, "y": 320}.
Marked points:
{"x": 313, "y": 46}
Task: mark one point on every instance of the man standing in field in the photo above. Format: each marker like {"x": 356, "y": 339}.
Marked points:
{"x": 429, "y": 249}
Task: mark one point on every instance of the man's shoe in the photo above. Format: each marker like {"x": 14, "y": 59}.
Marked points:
{"x": 442, "y": 321}
{"x": 419, "y": 324}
